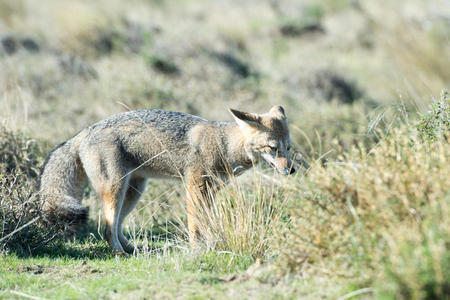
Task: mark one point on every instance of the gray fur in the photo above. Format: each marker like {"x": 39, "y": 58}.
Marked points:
{"x": 174, "y": 123}
{"x": 61, "y": 186}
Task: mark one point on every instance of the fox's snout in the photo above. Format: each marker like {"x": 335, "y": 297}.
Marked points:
{"x": 282, "y": 164}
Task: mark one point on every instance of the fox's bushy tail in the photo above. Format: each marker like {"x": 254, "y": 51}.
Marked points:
{"x": 61, "y": 186}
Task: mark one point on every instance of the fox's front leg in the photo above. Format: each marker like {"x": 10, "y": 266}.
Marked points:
{"x": 199, "y": 197}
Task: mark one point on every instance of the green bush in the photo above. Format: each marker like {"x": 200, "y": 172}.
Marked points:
{"x": 435, "y": 124}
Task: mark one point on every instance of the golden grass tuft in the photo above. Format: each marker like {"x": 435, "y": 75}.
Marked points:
{"x": 243, "y": 219}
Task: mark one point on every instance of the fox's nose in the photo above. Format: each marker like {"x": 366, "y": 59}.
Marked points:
{"x": 292, "y": 170}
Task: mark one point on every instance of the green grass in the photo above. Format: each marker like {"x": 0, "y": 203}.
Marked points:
{"x": 78, "y": 272}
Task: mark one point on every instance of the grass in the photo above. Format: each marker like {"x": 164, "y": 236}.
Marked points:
{"x": 228, "y": 227}
{"x": 67, "y": 277}
{"x": 378, "y": 213}
{"x": 372, "y": 221}
{"x": 366, "y": 216}
{"x": 76, "y": 271}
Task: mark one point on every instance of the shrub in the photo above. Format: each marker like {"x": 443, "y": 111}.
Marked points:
{"x": 435, "y": 124}
{"x": 308, "y": 22}
{"x": 418, "y": 265}
{"x": 18, "y": 153}
{"x": 21, "y": 228}
{"x": 377, "y": 212}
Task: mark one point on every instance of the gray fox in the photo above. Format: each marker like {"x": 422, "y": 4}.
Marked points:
{"x": 119, "y": 154}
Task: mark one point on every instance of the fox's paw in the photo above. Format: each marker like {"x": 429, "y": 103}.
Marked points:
{"x": 129, "y": 249}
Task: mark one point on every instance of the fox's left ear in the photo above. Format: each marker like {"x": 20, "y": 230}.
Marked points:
{"x": 277, "y": 111}
{"x": 245, "y": 120}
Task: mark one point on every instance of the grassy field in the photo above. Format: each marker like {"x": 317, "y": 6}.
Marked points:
{"x": 364, "y": 89}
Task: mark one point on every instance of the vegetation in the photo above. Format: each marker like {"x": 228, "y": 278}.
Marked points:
{"x": 365, "y": 216}
{"x": 377, "y": 213}
{"x": 22, "y": 229}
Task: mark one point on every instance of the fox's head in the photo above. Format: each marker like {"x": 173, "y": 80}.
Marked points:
{"x": 266, "y": 136}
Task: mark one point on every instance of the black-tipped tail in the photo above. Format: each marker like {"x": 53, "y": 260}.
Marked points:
{"x": 70, "y": 215}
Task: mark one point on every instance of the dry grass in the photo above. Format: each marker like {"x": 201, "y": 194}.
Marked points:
{"x": 418, "y": 56}
{"x": 18, "y": 153}
{"x": 119, "y": 42}
{"x": 376, "y": 212}
{"x": 21, "y": 227}
{"x": 243, "y": 218}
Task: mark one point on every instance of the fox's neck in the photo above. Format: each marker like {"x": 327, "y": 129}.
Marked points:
{"x": 237, "y": 156}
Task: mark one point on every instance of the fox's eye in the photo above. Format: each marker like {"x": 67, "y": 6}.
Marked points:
{"x": 274, "y": 149}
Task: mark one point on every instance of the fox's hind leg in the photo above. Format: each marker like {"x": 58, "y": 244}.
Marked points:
{"x": 136, "y": 187}
{"x": 110, "y": 180}
{"x": 112, "y": 198}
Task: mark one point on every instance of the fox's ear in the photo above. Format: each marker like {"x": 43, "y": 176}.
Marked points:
{"x": 245, "y": 120}
{"x": 277, "y": 111}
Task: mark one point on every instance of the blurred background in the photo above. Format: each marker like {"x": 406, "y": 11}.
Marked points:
{"x": 339, "y": 67}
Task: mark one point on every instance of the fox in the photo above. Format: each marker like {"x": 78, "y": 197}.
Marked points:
{"x": 119, "y": 154}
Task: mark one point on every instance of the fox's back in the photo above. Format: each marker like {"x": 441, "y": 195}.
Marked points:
{"x": 156, "y": 139}
{"x": 168, "y": 122}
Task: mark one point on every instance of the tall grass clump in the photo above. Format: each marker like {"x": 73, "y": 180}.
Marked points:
{"x": 243, "y": 219}
{"x": 378, "y": 214}
{"x": 21, "y": 228}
